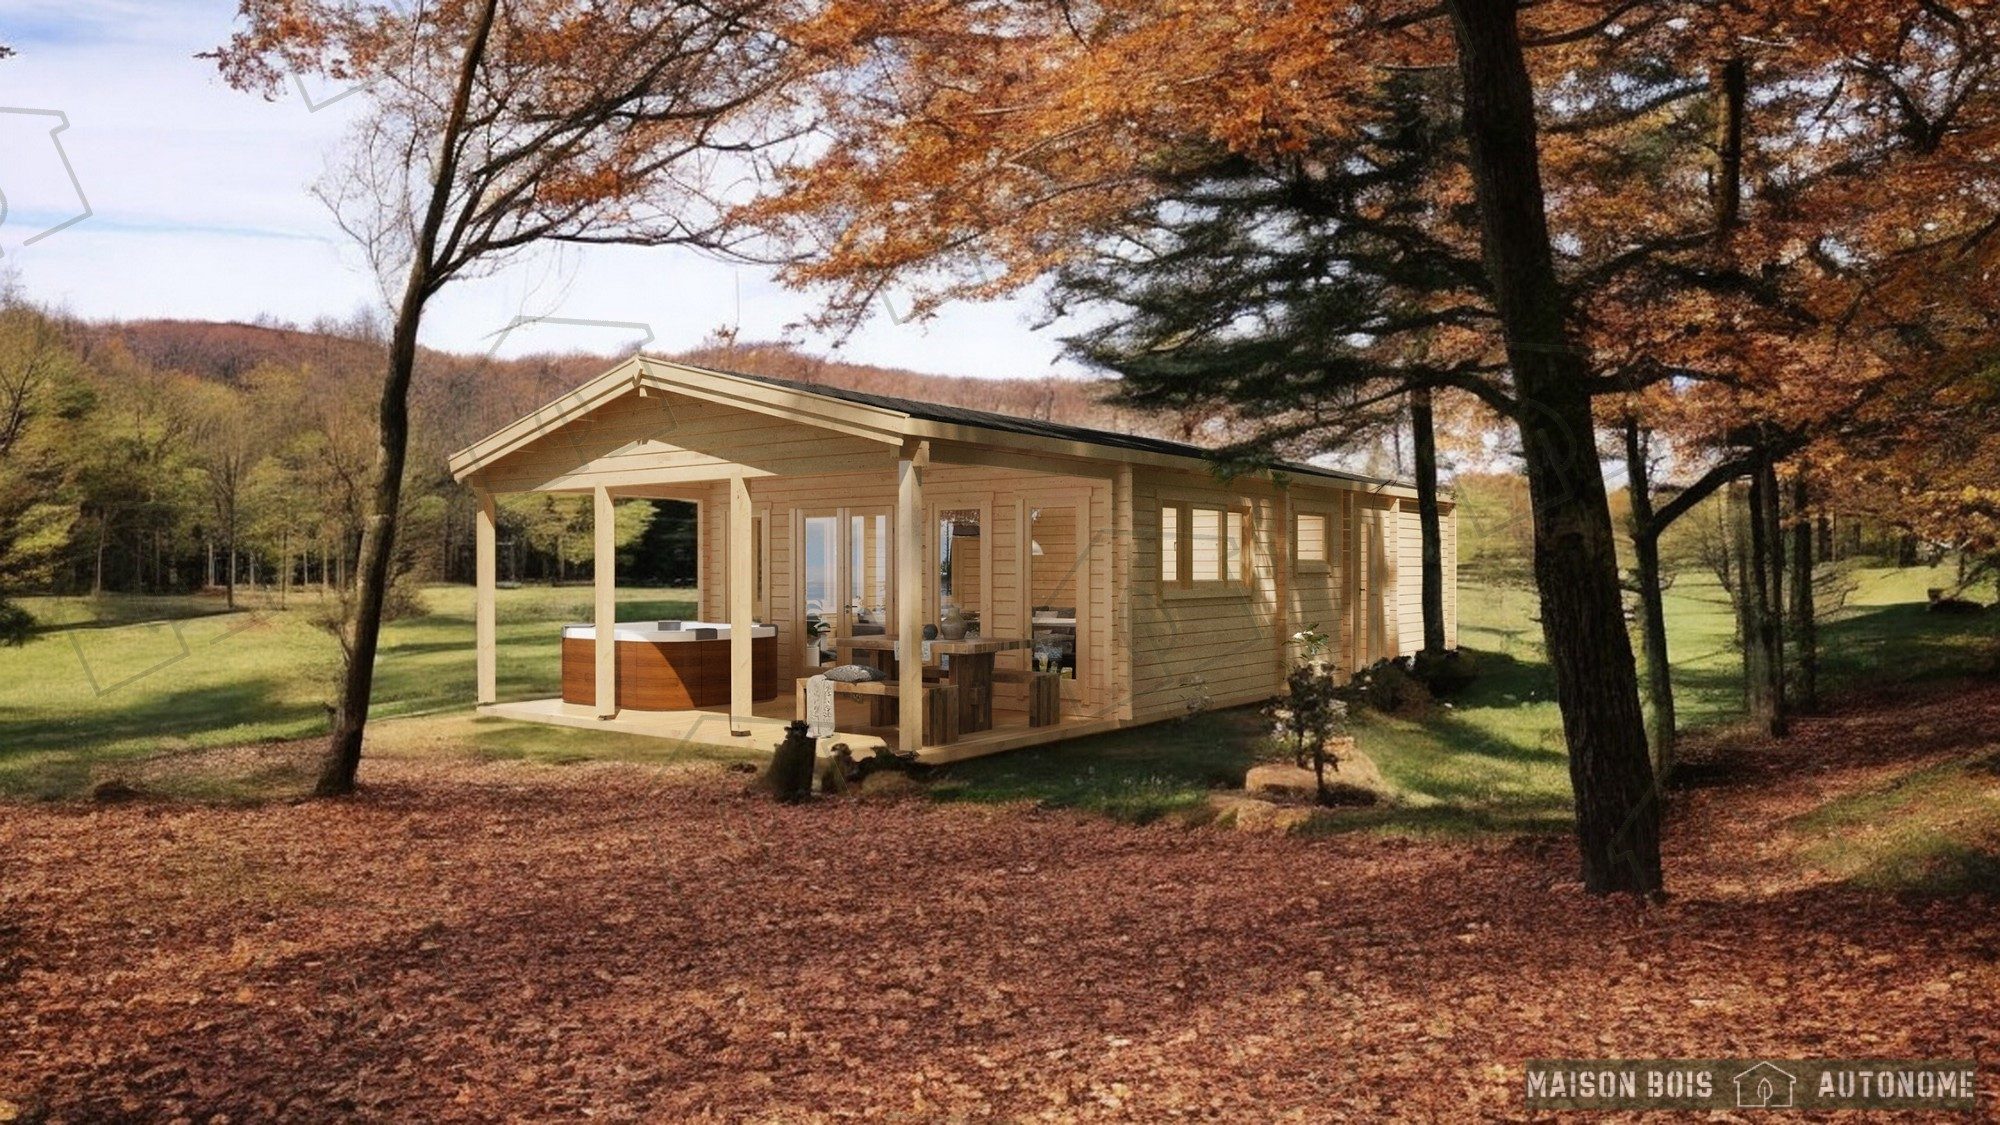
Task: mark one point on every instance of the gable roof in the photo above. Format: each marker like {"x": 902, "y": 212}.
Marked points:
{"x": 672, "y": 375}
{"x": 1034, "y": 427}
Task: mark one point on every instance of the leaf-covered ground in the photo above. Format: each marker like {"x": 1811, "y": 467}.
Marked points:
{"x": 488, "y": 941}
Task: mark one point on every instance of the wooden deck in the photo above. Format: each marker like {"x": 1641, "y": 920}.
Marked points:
{"x": 767, "y": 727}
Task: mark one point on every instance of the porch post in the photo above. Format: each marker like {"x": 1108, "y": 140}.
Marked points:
{"x": 1282, "y": 552}
{"x": 1123, "y": 544}
{"x": 742, "y": 605}
{"x": 484, "y": 630}
{"x": 910, "y": 530}
{"x": 604, "y": 520}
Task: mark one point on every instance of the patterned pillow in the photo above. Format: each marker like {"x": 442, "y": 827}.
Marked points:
{"x": 854, "y": 674}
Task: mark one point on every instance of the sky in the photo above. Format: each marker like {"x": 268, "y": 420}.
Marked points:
{"x": 135, "y": 184}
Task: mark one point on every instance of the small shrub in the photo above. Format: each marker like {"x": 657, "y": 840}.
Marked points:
{"x": 1444, "y": 674}
{"x": 1310, "y": 713}
{"x": 1389, "y": 687}
{"x": 16, "y": 625}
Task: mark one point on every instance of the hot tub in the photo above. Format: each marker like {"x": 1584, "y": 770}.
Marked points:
{"x": 667, "y": 665}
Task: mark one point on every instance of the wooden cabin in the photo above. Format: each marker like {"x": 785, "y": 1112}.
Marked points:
{"x": 1056, "y": 581}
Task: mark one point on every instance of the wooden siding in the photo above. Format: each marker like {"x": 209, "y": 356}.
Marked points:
{"x": 1208, "y": 649}
{"x": 1409, "y": 579}
{"x": 1410, "y": 574}
{"x": 1448, "y": 537}
{"x": 668, "y": 438}
{"x": 1317, "y": 594}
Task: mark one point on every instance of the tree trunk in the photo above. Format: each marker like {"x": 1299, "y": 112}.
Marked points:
{"x": 1652, "y": 600}
{"x": 229, "y": 590}
{"x": 363, "y": 627}
{"x": 1732, "y": 90}
{"x": 1745, "y": 590}
{"x": 1576, "y": 565}
{"x": 1765, "y": 617}
{"x": 1423, "y": 446}
{"x": 1805, "y": 629}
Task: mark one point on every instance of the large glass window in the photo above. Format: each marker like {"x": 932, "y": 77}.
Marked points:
{"x": 868, "y": 547}
{"x": 961, "y": 585}
{"x": 1056, "y": 565}
{"x": 820, "y": 585}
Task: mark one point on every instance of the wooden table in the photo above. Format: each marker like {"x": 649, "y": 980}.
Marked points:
{"x": 971, "y": 670}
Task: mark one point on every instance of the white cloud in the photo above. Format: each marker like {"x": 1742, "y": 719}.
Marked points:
{"x": 201, "y": 209}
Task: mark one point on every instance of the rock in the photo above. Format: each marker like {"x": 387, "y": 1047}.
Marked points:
{"x": 890, "y": 785}
{"x": 114, "y": 791}
{"x": 1356, "y": 781}
{"x": 1254, "y": 814}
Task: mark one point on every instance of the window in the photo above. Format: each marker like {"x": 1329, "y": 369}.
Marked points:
{"x": 961, "y": 582}
{"x": 1209, "y": 547}
{"x": 1210, "y": 556}
{"x": 1309, "y": 541}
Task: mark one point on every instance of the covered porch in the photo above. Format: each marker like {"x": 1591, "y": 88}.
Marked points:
{"x": 827, "y": 537}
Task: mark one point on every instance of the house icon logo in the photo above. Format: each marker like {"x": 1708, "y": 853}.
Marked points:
{"x": 1765, "y": 1086}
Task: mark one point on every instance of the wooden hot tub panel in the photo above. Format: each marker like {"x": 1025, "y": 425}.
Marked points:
{"x": 668, "y": 675}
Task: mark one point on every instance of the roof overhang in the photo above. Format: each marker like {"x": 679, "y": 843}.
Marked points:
{"x": 644, "y": 375}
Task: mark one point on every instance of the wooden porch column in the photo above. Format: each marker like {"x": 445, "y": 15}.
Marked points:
{"x": 604, "y": 525}
{"x": 485, "y": 579}
{"x": 1123, "y": 545}
{"x": 742, "y": 606}
{"x": 1283, "y": 552}
{"x": 910, "y": 584}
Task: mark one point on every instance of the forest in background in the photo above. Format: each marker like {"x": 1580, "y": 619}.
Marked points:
{"x": 169, "y": 456}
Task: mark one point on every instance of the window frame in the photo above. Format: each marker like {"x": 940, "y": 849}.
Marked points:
{"x": 1328, "y": 522}
{"x": 1238, "y": 522}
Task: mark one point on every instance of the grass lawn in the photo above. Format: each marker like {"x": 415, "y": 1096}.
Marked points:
{"x": 1493, "y": 760}
{"x": 127, "y": 678}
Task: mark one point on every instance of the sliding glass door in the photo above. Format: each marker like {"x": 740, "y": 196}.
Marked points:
{"x": 846, "y": 556}
{"x": 1057, "y": 580}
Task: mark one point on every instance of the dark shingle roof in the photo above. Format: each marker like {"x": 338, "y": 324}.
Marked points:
{"x": 965, "y": 416}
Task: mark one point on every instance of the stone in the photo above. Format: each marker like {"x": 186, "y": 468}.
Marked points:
{"x": 1357, "y": 780}
{"x": 1254, "y": 814}
{"x": 890, "y": 785}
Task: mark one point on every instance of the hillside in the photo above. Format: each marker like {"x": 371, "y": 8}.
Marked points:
{"x": 461, "y": 397}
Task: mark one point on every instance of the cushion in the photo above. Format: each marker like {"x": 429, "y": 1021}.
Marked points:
{"x": 854, "y": 674}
